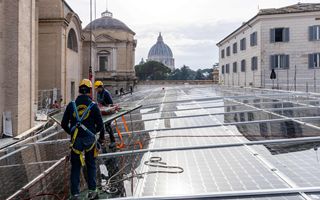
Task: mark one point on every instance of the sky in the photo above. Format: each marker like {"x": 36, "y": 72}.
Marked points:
{"x": 190, "y": 27}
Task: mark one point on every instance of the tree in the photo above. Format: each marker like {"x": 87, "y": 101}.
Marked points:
{"x": 152, "y": 70}
{"x": 199, "y": 75}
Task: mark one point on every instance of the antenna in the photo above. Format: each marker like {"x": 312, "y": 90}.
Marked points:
{"x": 95, "y": 9}
{"x": 106, "y": 4}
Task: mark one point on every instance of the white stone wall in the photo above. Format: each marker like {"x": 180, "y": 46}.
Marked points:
{"x": 297, "y": 48}
{"x": 248, "y": 77}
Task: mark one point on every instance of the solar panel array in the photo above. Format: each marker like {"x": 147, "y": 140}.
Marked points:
{"x": 187, "y": 116}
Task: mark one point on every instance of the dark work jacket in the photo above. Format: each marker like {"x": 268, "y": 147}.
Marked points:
{"x": 93, "y": 122}
{"x": 104, "y": 98}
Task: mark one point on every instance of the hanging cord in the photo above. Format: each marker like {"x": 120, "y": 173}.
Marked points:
{"x": 154, "y": 161}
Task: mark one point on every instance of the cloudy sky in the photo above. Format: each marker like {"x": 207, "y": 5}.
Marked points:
{"x": 190, "y": 27}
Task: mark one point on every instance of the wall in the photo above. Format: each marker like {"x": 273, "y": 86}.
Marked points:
{"x": 298, "y": 49}
{"x": 73, "y": 63}
{"x": 248, "y": 77}
{"x": 2, "y": 68}
{"x": 18, "y": 62}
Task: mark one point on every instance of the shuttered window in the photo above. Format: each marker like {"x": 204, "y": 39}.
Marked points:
{"x": 254, "y": 63}
{"x": 227, "y": 68}
{"x": 279, "y": 35}
{"x": 228, "y": 51}
{"x": 222, "y": 53}
{"x": 314, "y": 60}
{"x": 314, "y": 33}
{"x": 243, "y": 65}
{"x": 235, "y": 67}
{"x": 243, "y": 44}
{"x": 235, "y": 48}
{"x": 254, "y": 39}
{"x": 279, "y": 61}
{"x": 222, "y": 69}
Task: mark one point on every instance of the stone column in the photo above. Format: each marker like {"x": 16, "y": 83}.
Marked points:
{"x": 19, "y": 63}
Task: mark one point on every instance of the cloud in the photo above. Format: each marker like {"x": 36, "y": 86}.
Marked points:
{"x": 192, "y": 44}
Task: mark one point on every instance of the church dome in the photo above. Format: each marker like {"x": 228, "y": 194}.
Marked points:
{"x": 160, "y": 49}
{"x": 108, "y": 22}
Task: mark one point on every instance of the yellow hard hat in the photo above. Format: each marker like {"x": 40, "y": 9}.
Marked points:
{"x": 98, "y": 84}
{"x": 86, "y": 82}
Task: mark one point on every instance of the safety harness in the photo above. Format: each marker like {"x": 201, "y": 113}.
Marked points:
{"x": 75, "y": 130}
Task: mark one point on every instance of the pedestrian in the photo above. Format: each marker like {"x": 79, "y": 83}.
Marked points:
{"x": 82, "y": 120}
{"x": 131, "y": 89}
{"x": 105, "y": 99}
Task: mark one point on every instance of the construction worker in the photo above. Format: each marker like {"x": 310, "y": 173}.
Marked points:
{"x": 104, "y": 98}
{"x": 82, "y": 120}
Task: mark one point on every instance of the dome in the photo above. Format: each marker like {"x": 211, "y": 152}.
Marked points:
{"x": 160, "y": 49}
{"x": 108, "y": 22}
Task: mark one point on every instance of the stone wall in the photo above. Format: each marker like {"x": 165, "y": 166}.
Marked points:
{"x": 298, "y": 76}
{"x": 18, "y": 63}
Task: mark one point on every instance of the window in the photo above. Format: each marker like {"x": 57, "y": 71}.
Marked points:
{"x": 235, "y": 48}
{"x": 103, "y": 63}
{"x": 222, "y": 69}
{"x": 243, "y": 44}
{"x": 228, "y": 51}
{"x": 279, "y": 61}
{"x": 72, "y": 41}
{"x": 314, "y": 60}
{"x": 227, "y": 68}
{"x": 243, "y": 65}
{"x": 254, "y": 63}
{"x": 253, "y": 39}
{"x": 314, "y": 33}
{"x": 234, "y": 67}
{"x": 222, "y": 53}
{"x": 279, "y": 35}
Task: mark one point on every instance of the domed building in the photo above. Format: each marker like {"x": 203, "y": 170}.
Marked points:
{"x": 161, "y": 52}
{"x": 113, "y": 52}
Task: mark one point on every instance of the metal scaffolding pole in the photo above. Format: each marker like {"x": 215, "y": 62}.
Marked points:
{"x": 211, "y": 146}
{"x": 219, "y": 113}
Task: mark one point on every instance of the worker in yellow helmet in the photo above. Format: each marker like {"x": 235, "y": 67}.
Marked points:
{"x": 104, "y": 98}
{"x": 82, "y": 120}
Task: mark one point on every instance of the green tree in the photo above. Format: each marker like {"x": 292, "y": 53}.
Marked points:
{"x": 152, "y": 70}
{"x": 199, "y": 75}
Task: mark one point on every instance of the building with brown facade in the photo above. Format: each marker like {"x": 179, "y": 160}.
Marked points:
{"x": 45, "y": 52}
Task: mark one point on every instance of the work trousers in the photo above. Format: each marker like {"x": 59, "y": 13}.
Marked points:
{"x": 76, "y": 169}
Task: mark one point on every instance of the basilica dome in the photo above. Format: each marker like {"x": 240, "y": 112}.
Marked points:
{"x": 108, "y": 22}
{"x": 161, "y": 52}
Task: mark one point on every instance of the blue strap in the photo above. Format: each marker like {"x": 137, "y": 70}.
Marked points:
{"x": 75, "y": 110}
{"x": 86, "y": 111}
{"x": 79, "y": 120}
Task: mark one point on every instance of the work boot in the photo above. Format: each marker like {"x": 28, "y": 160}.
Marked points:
{"x": 93, "y": 195}
{"x": 75, "y": 197}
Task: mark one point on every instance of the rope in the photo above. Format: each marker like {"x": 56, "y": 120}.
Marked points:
{"x": 154, "y": 161}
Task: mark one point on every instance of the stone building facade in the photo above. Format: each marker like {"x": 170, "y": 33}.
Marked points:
{"x": 282, "y": 40}
{"x": 43, "y": 47}
{"x": 113, "y": 52}
{"x": 18, "y": 62}
{"x": 60, "y": 48}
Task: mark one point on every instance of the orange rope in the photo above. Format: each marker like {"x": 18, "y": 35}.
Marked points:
{"x": 121, "y": 145}
{"x": 125, "y": 125}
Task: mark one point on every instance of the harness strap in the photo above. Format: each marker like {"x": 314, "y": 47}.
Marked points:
{"x": 75, "y": 130}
